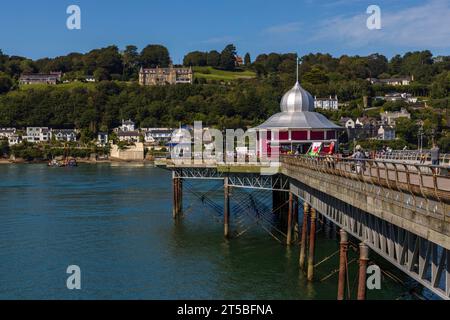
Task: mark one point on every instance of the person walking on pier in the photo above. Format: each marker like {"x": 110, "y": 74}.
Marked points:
{"x": 434, "y": 153}
{"x": 359, "y": 156}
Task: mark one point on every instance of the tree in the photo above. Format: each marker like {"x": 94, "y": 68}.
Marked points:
{"x": 110, "y": 59}
{"x": 440, "y": 86}
{"x": 406, "y": 129}
{"x": 316, "y": 76}
{"x": 377, "y": 64}
{"x": 130, "y": 60}
{"x": 272, "y": 62}
{"x": 101, "y": 74}
{"x": 228, "y": 58}
{"x": 155, "y": 55}
{"x": 195, "y": 58}
{"x": 247, "y": 59}
{"x": 5, "y": 83}
{"x": 213, "y": 58}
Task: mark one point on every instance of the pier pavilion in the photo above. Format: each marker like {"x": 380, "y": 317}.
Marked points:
{"x": 297, "y": 126}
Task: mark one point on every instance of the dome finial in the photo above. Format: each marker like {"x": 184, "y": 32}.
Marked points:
{"x": 298, "y": 62}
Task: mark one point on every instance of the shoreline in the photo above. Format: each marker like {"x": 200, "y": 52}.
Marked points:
{"x": 79, "y": 161}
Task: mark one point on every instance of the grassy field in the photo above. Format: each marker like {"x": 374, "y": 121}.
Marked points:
{"x": 210, "y": 73}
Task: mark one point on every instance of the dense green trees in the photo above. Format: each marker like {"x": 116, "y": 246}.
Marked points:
{"x": 227, "y": 58}
{"x": 155, "y": 55}
{"x": 196, "y": 58}
{"x": 213, "y": 58}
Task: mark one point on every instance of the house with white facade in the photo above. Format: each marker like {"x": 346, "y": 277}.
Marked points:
{"x": 65, "y": 135}
{"x": 128, "y": 136}
{"x": 37, "y": 134}
{"x": 157, "y": 135}
{"x": 102, "y": 139}
{"x": 327, "y": 103}
{"x": 14, "y": 139}
{"x": 348, "y": 123}
{"x": 127, "y": 125}
{"x": 5, "y": 133}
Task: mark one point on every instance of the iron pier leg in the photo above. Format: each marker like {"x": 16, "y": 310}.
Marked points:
{"x": 343, "y": 248}
{"x": 312, "y": 239}
{"x": 306, "y": 209}
{"x": 295, "y": 218}
{"x": 180, "y": 197}
{"x": 289, "y": 223}
{"x": 363, "y": 259}
{"x": 174, "y": 193}
{"x": 226, "y": 209}
{"x": 177, "y": 191}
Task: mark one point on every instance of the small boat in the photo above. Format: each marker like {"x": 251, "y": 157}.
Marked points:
{"x": 66, "y": 163}
{"x": 71, "y": 163}
{"x": 54, "y": 163}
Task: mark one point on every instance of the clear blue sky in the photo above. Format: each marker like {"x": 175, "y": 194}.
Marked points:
{"x": 37, "y": 29}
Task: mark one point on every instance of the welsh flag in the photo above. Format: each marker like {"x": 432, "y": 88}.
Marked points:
{"x": 315, "y": 149}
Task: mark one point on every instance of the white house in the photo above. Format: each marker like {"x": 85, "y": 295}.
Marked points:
{"x": 7, "y": 132}
{"x": 127, "y": 125}
{"x": 128, "y": 136}
{"x": 327, "y": 103}
{"x": 102, "y": 138}
{"x": 67, "y": 135}
{"x": 157, "y": 135}
{"x": 37, "y": 134}
{"x": 14, "y": 139}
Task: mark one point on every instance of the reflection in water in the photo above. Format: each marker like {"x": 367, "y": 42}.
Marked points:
{"x": 115, "y": 222}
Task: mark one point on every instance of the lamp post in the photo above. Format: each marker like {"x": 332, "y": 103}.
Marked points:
{"x": 420, "y": 139}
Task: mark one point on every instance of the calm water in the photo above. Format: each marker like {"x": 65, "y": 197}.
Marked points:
{"x": 115, "y": 223}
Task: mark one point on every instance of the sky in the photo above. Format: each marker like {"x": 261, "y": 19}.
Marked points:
{"x": 37, "y": 28}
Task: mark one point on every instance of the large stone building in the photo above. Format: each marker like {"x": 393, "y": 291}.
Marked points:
{"x": 163, "y": 76}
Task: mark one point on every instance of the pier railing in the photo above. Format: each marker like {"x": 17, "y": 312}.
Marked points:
{"x": 414, "y": 156}
{"x": 427, "y": 181}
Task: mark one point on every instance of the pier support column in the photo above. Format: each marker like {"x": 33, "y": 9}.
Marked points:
{"x": 343, "y": 248}
{"x": 226, "y": 209}
{"x": 295, "y": 219}
{"x": 177, "y": 190}
{"x": 306, "y": 209}
{"x": 290, "y": 219}
{"x": 312, "y": 239}
{"x": 363, "y": 259}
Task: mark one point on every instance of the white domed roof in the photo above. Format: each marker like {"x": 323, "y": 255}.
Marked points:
{"x": 297, "y": 100}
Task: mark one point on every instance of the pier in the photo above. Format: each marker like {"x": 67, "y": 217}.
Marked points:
{"x": 398, "y": 210}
